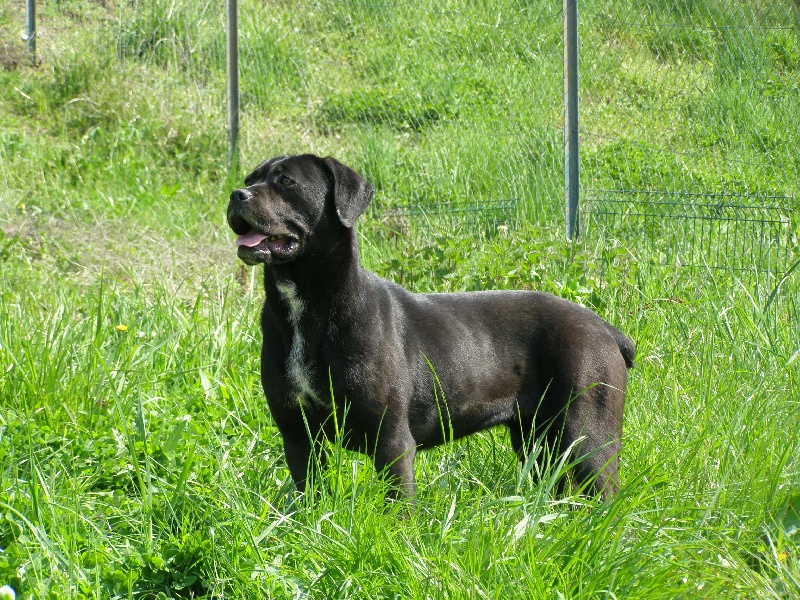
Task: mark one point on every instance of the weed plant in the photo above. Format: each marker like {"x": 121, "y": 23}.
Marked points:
{"x": 137, "y": 456}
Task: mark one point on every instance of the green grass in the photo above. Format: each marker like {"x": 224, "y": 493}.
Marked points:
{"x": 137, "y": 456}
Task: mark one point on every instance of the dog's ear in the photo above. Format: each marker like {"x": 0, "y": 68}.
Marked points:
{"x": 351, "y": 192}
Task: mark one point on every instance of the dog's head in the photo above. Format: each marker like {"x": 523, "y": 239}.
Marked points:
{"x": 289, "y": 201}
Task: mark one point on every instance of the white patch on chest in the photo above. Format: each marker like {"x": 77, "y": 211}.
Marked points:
{"x": 297, "y": 367}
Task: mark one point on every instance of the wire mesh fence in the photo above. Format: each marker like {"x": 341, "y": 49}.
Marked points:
{"x": 488, "y": 220}
{"x": 734, "y": 232}
{"x": 689, "y": 111}
{"x": 438, "y": 104}
{"x": 435, "y": 103}
{"x": 447, "y": 105}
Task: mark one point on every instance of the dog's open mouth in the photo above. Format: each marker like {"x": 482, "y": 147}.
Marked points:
{"x": 255, "y": 247}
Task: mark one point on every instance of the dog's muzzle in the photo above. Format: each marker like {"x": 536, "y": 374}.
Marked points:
{"x": 256, "y": 243}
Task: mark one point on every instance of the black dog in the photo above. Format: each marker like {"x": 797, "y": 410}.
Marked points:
{"x": 404, "y": 371}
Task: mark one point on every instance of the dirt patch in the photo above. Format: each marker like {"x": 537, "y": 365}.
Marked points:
{"x": 85, "y": 252}
{"x": 13, "y": 49}
{"x": 12, "y": 54}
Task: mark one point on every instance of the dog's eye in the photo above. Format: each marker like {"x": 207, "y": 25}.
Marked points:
{"x": 286, "y": 181}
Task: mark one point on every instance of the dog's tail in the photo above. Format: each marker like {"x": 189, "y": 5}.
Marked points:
{"x": 626, "y": 347}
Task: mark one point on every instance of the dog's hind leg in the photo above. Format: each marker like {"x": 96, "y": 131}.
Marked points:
{"x": 394, "y": 457}
{"x": 537, "y": 453}
{"x": 594, "y": 447}
{"x": 523, "y": 443}
{"x": 522, "y": 432}
{"x": 598, "y": 466}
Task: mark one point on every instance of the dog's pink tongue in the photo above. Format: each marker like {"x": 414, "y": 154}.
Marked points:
{"x": 253, "y": 238}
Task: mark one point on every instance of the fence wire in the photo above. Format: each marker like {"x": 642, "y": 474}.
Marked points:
{"x": 739, "y": 233}
{"x": 436, "y": 103}
{"x": 689, "y": 113}
{"x": 460, "y": 103}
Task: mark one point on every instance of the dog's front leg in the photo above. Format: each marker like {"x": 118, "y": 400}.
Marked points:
{"x": 300, "y": 461}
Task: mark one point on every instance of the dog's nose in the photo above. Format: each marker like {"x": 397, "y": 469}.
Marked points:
{"x": 241, "y": 195}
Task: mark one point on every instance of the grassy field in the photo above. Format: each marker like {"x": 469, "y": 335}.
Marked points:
{"x": 137, "y": 455}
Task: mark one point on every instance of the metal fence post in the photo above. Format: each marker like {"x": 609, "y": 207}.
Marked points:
{"x": 571, "y": 163}
{"x": 31, "y": 38}
{"x": 233, "y": 83}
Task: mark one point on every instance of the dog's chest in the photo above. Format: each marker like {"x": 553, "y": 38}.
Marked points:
{"x": 298, "y": 366}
